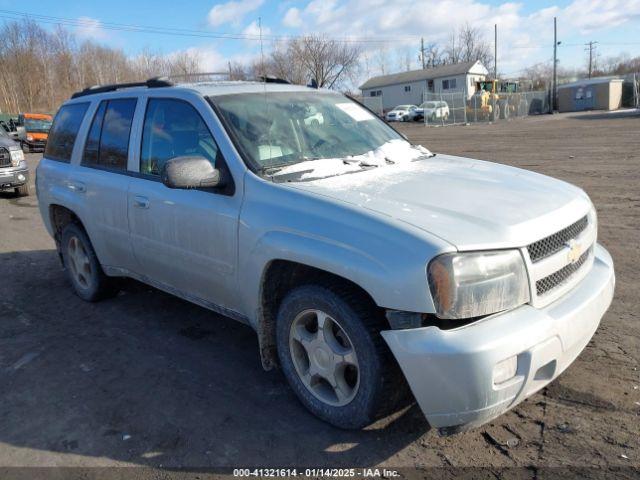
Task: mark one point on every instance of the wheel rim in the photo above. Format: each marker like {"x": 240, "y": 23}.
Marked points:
{"x": 79, "y": 263}
{"x": 324, "y": 357}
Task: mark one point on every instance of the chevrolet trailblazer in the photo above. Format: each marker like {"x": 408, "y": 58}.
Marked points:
{"x": 364, "y": 263}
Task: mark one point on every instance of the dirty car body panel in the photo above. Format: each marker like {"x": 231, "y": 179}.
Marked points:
{"x": 378, "y": 228}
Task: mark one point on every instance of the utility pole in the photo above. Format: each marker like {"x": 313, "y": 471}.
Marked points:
{"x": 592, "y": 47}
{"x": 554, "y": 88}
{"x": 422, "y": 52}
{"x": 495, "y": 51}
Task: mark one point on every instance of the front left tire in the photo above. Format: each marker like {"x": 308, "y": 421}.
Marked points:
{"x": 334, "y": 358}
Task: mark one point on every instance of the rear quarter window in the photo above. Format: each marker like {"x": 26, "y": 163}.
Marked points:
{"x": 64, "y": 131}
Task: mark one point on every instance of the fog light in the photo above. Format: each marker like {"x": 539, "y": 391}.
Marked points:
{"x": 21, "y": 178}
{"x": 505, "y": 370}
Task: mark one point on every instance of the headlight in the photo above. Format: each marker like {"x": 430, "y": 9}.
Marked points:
{"x": 466, "y": 285}
{"x": 17, "y": 156}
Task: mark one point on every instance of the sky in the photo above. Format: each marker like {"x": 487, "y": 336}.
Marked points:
{"x": 222, "y": 31}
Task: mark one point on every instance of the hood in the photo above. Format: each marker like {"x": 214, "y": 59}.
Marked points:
{"x": 471, "y": 204}
{"x": 7, "y": 142}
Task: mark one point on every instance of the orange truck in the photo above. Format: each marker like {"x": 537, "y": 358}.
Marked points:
{"x": 36, "y": 127}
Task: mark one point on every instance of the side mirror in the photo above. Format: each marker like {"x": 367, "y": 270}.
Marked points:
{"x": 191, "y": 172}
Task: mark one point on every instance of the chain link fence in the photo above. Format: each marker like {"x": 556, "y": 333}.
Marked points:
{"x": 439, "y": 109}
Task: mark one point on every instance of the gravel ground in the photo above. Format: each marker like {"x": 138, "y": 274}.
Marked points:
{"x": 147, "y": 379}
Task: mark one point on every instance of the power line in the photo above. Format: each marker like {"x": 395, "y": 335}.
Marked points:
{"x": 184, "y": 32}
{"x": 135, "y": 28}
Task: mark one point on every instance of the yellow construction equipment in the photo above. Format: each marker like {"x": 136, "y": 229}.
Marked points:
{"x": 496, "y": 99}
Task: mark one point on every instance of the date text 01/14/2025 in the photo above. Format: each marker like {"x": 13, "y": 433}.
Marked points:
{"x": 315, "y": 472}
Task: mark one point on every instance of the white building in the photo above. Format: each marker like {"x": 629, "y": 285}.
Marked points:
{"x": 408, "y": 87}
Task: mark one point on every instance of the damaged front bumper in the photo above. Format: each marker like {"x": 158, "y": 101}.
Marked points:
{"x": 451, "y": 372}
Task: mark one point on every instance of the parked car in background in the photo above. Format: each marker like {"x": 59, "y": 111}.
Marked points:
{"x": 432, "y": 111}
{"x": 15, "y": 131}
{"x": 14, "y": 173}
{"x": 37, "y": 126}
{"x": 401, "y": 113}
{"x": 364, "y": 263}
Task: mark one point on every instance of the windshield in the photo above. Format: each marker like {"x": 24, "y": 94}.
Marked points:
{"x": 284, "y": 128}
{"x": 428, "y": 105}
{"x": 37, "y": 125}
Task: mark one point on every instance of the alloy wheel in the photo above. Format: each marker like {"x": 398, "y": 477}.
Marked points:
{"x": 324, "y": 357}
{"x": 79, "y": 263}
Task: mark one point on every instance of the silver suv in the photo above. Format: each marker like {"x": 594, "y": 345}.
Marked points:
{"x": 364, "y": 263}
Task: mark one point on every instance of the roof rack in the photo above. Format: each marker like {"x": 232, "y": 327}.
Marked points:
{"x": 197, "y": 75}
{"x": 156, "y": 82}
{"x": 273, "y": 79}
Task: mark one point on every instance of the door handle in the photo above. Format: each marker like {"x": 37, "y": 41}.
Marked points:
{"x": 140, "y": 201}
{"x": 77, "y": 187}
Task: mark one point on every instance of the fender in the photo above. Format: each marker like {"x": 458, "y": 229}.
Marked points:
{"x": 403, "y": 286}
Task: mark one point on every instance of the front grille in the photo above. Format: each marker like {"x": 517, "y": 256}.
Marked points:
{"x": 557, "y": 278}
{"x": 5, "y": 158}
{"x": 554, "y": 243}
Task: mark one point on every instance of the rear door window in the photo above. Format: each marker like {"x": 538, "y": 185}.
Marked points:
{"x": 64, "y": 131}
{"x": 107, "y": 143}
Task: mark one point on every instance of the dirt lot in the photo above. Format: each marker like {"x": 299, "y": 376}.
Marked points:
{"x": 148, "y": 379}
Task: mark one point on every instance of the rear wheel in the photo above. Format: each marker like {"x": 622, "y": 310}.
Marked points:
{"x": 334, "y": 358}
{"x": 82, "y": 266}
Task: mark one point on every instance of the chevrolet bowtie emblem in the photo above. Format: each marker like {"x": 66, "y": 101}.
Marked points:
{"x": 574, "y": 251}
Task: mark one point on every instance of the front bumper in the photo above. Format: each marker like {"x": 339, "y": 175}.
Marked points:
{"x": 36, "y": 145}
{"x": 450, "y": 372}
{"x": 11, "y": 177}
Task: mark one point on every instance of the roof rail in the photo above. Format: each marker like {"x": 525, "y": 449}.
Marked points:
{"x": 198, "y": 75}
{"x": 273, "y": 79}
{"x": 156, "y": 82}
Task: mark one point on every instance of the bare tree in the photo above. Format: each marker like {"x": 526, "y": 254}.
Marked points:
{"x": 328, "y": 62}
{"x": 382, "y": 59}
{"x": 39, "y": 69}
{"x": 452, "y": 50}
{"x": 285, "y": 62}
{"x": 434, "y": 56}
{"x": 468, "y": 44}
{"x": 237, "y": 71}
{"x": 301, "y": 60}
